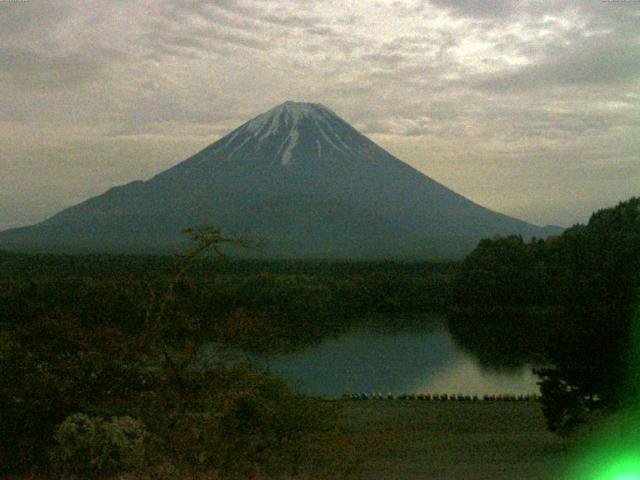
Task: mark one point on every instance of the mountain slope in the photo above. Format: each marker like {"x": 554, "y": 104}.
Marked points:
{"x": 297, "y": 175}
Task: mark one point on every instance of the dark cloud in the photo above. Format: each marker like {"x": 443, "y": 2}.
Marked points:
{"x": 322, "y": 31}
{"x": 292, "y": 21}
{"x": 479, "y": 8}
{"x": 610, "y": 60}
{"x": 389, "y": 60}
{"x": 19, "y": 17}
{"x": 240, "y": 12}
{"x": 237, "y": 39}
{"x": 226, "y": 23}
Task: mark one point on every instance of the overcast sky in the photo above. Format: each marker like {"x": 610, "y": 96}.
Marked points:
{"x": 529, "y": 108}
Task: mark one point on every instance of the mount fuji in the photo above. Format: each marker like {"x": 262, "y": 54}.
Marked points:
{"x": 298, "y": 176}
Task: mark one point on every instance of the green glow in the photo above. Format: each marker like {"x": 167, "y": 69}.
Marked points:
{"x": 611, "y": 451}
{"x": 608, "y": 464}
{"x": 621, "y": 470}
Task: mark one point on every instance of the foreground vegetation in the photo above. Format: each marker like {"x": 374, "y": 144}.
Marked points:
{"x": 422, "y": 440}
{"x": 143, "y": 364}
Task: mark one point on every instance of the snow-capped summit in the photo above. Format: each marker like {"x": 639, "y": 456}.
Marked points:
{"x": 297, "y": 175}
{"x": 290, "y": 113}
{"x": 292, "y": 123}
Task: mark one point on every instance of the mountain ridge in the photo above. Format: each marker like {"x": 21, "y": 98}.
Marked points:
{"x": 359, "y": 199}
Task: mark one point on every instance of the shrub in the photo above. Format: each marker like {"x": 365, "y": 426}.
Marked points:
{"x": 54, "y": 366}
{"x": 244, "y": 422}
{"x": 194, "y": 439}
{"x": 90, "y": 445}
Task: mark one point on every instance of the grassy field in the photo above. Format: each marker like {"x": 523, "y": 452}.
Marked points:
{"x": 437, "y": 440}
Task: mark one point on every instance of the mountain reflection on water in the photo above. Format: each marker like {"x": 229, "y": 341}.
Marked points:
{"x": 418, "y": 358}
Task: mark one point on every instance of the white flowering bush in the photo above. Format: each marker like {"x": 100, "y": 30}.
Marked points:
{"x": 91, "y": 445}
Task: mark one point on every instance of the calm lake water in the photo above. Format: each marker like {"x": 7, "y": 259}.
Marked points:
{"x": 411, "y": 360}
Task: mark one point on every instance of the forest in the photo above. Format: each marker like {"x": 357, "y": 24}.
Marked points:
{"x": 86, "y": 339}
{"x": 569, "y": 304}
{"x": 103, "y": 369}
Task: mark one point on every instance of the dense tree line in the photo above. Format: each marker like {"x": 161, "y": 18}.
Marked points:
{"x": 502, "y": 306}
{"x": 282, "y": 305}
{"x": 569, "y": 303}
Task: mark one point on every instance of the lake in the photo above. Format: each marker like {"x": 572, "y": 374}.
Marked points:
{"x": 419, "y": 358}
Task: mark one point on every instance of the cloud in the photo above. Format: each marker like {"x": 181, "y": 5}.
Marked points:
{"x": 478, "y": 8}
{"x": 508, "y": 10}
{"x": 17, "y": 18}
{"x": 30, "y": 70}
{"x": 486, "y": 96}
{"x": 398, "y": 126}
{"x": 595, "y": 61}
{"x": 388, "y": 60}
